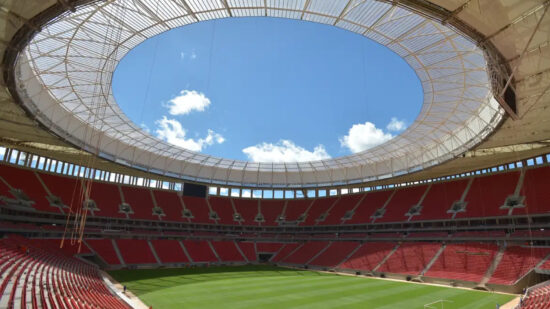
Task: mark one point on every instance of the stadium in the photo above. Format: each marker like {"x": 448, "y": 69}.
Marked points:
{"x": 453, "y": 211}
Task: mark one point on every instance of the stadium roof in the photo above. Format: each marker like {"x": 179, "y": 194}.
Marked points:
{"x": 462, "y": 52}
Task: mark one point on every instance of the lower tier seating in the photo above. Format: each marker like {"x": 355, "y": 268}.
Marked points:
{"x": 368, "y": 256}
{"x": 516, "y": 262}
{"x": 468, "y": 261}
{"x": 410, "y": 258}
{"x": 537, "y": 297}
{"x": 35, "y": 275}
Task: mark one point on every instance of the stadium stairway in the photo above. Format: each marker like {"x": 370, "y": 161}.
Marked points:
{"x": 491, "y": 269}
{"x": 435, "y": 257}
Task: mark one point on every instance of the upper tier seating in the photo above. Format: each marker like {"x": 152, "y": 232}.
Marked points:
{"x": 222, "y": 206}
{"x": 336, "y": 213}
{"x": 410, "y": 258}
{"x": 367, "y": 207}
{"x": 488, "y": 193}
{"x": 440, "y": 198}
{"x": 28, "y": 182}
{"x": 36, "y": 276}
{"x": 248, "y": 209}
{"x": 170, "y": 203}
{"x": 468, "y": 261}
{"x": 401, "y": 202}
{"x": 295, "y": 208}
{"x": 107, "y": 199}
{"x": 368, "y": 256}
{"x": 535, "y": 190}
{"x": 516, "y": 262}
{"x": 319, "y": 207}
{"x": 199, "y": 209}
{"x": 483, "y": 198}
{"x": 140, "y": 201}
{"x": 334, "y": 254}
{"x": 271, "y": 210}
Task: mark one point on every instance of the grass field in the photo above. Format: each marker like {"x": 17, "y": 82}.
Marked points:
{"x": 273, "y": 287}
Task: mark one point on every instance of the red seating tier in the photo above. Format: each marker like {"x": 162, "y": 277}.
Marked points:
{"x": 107, "y": 199}
{"x": 535, "y": 190}
{"x": 368, "y": 256}
{"x": 468, "y": 261}
{"x": 410, "y": 258}
{"x": 268, "y": 247}
{"x": 27, "y": 181}
{"x": 335, "y": 253}
{"x": 271, "y": 210}
{"x": 200, "y": 251}
{"x": 141, "y": 202}
{"x": 286, "y": 250}
{"x": 488, "y": 193}
{"x": 440, "y": 198}
{"x": 58, "y": 281}
{"x": 545, "y": 265}
{"x": 295, "y": 208}
{"x": 249, "y": 251}
{"x": 516, "y": 262}
{"x": 320, "y": 206}
{"x": 170, "y": 203}
{"x": 105, "y": 249}
{"x": 222, "y": 206}
{"x": 371, "y": 202}
{"x": 306, "y": 252}
{"x": 199, "y": 209}
{"x": 227, "y": 251}
{"x": 401, "y": 202}
{"x": 135, "y": 251}
{"x": 337, "y": 212}
{"x": 69, "y": 246}
{"x": 248, "y": 209}
{"x": 169, "y": 251}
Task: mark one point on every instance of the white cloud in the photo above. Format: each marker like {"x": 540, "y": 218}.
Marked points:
{"x": 284, "y": 151}
{"x": 192, "y": 55}
{"x": 396, "y": 125}
{"x": 145, "y": 127}
{"x": 173, "y": 132}
{"x": 186, "y": 102}
{"x": 363, "y": 136}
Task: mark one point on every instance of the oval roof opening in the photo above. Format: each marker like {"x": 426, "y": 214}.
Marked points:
{"x": 267, "y": 90}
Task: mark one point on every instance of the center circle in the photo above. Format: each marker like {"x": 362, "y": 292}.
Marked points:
{"x": 267, "y": 89}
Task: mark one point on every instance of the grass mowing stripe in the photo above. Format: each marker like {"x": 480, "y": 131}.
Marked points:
{"x": 293, "y": 295}
{"x": 272, "y": 287}
{"x": 236, "y": 288}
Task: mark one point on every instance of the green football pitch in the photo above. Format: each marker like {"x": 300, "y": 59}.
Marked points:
{"x": 274, "y": 287}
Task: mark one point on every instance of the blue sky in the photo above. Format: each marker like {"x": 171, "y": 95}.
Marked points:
{"x": 267, "y": 89}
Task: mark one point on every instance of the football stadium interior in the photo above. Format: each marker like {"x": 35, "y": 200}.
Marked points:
{"x": 454, "y": 212}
